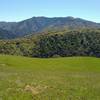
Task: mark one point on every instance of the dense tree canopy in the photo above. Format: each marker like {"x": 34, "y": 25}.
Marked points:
{"x": 66, "y": 43}
{"x": 73, "y": 43}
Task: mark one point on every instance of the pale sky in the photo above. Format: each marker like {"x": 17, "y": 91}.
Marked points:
{"x": 17, "y": 10}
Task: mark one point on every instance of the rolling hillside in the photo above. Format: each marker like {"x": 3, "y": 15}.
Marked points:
{"x": 55, "y": 44}
{"x": 72, "y": 78}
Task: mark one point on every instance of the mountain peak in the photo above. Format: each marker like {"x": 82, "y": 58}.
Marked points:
{"x": 41, "y": 23}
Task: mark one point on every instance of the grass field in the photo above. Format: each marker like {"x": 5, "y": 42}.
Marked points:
{"x": 72, "y": 78}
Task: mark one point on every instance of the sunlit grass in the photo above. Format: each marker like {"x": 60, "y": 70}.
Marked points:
{"x": 72, "y": 78}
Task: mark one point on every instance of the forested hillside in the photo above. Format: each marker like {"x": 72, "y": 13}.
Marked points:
{"x": 55, "y": 44}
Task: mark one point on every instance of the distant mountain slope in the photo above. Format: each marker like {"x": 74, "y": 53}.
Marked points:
{"x": 4, "y": 34}
{"x": 38, "y": 24}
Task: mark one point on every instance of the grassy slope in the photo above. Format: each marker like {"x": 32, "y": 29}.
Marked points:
{"x": 72, "y": 78}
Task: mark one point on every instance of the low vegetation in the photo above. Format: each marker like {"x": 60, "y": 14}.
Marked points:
{"x": 72, "y": 78}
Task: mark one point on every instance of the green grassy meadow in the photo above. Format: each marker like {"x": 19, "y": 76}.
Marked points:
{"x": 69, "y": 78}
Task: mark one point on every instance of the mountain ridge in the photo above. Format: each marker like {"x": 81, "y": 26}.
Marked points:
{"x": 48, "y": 17}
{"x": 38, "y": 24}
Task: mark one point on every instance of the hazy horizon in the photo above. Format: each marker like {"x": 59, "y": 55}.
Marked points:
{"x": 48, "y": 17}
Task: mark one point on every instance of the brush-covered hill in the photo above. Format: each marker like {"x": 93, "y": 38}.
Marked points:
{"x": 55, "y": 44}
{"x": 39, "y": 24}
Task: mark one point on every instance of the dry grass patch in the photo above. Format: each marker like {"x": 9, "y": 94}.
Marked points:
{"x": 35, "y": 90}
